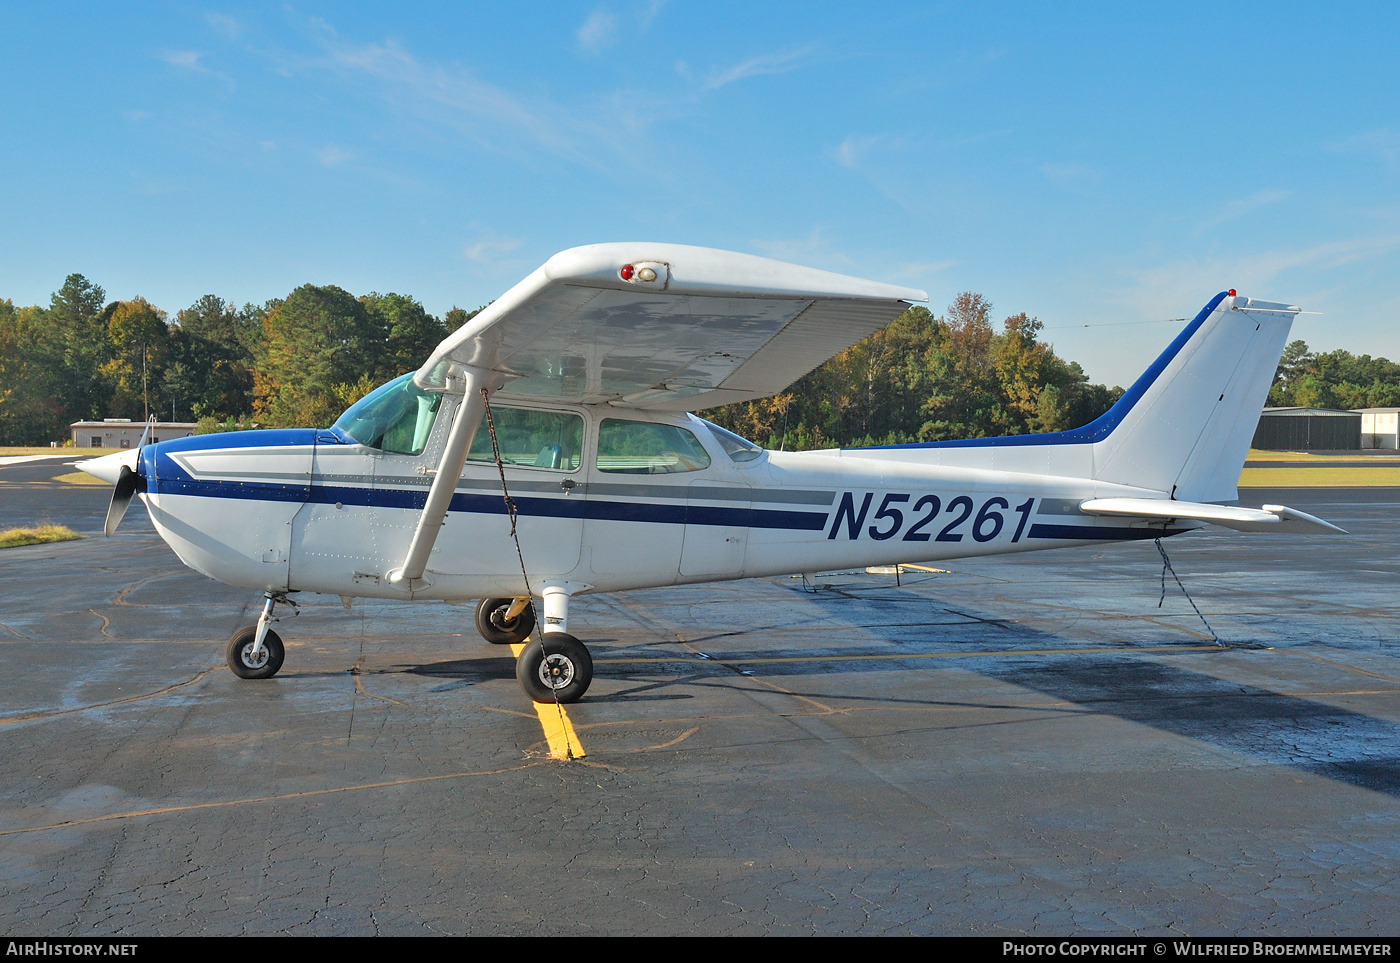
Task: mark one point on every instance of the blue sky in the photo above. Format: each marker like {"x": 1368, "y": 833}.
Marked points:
{"x": 1092, "y": 165}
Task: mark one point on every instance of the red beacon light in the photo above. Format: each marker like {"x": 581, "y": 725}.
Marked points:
{"x": 1232, "y": 290}
{"x": 626, "y": 272}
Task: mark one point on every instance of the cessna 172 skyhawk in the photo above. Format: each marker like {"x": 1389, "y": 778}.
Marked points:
{"x": 587, "y": 369}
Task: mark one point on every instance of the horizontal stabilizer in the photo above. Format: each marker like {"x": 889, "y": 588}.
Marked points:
{"x": 1270, "y": 518}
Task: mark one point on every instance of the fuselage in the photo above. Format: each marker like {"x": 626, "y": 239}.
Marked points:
{"x": 607, "y": 500}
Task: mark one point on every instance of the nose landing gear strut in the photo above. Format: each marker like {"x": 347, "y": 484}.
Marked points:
{"x": 255, "y": 651}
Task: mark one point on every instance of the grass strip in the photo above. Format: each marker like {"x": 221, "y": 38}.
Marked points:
{"x": 1321, "y": 476}
{"x": 37, "y": 535}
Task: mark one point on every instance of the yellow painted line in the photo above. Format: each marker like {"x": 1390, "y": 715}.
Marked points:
{"x": 924, "y": 568}
{"x": 558, "y": 729}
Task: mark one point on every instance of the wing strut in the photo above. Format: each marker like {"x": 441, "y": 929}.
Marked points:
{"x": 449, "y": 471}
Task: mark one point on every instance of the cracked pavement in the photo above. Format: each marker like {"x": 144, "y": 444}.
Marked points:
{"x": 1020, "y": 746}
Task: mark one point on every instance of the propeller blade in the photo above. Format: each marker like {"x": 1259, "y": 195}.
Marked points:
{"x": 128, "y": 484}
{"x": 145, "y": 434}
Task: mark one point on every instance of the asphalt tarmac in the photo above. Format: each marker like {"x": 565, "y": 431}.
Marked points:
{"x": 1022, "y": 745}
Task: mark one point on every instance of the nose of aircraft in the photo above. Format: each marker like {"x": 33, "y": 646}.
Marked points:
{"x": 119, "y": 468}
{"x": 109, "y": 467}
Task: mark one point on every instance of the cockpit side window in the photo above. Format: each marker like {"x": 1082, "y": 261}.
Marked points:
{"x": 531, "y": 439}
{"x": 737, "y": 447}
{"x": 646, "y": 448}
{"x": 396, "y": 417}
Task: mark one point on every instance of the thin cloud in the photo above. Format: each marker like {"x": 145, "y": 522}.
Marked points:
{"x": 598, "y": 31}
{"x": 764, "y": 65}
{"x": 188, "y": 59}
{"x": 653, "y": 8}
{"x": 814, "y": 249}
{"x": 491, "y": 249}
{"x": 333, "y": 156}
{"x": 921, "y": 268}
{"x": 1069, "y": 175}
{"x": 191, "y": 60}
{"x": 225, "y": 25}
{"x": 1246, "y": 205}
{"x": 853, "y": 149}
{"x": 1261, "y": 275}
{"x": 491, "y": 115}
{"x": 1381, "y": 144}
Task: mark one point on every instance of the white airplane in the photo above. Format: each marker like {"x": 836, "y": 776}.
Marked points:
{"x": 587, "y": 369}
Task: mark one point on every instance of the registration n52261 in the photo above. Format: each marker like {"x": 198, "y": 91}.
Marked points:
{"x": 900, "y": 515}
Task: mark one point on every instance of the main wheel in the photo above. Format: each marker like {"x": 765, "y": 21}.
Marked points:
{"x": 560, "y": 668}
{"x": 495, "y": 628}
{"x": 240, "y": 654}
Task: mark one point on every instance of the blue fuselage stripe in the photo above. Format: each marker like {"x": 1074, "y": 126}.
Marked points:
{"x": 596, "y": 509}
{"x": 565, "y": 507}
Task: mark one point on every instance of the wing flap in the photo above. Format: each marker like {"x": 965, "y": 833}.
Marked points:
{"x": 1270, "y": 518}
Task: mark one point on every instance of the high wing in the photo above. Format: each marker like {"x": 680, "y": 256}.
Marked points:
{"x": 664, "y": 327}
{"x": 1270, "y": 518}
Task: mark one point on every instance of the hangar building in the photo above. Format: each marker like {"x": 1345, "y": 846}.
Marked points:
{"x": 1308, "y": 429}
{"x": 125, "y": 433}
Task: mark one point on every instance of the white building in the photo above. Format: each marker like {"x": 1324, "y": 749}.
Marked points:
{"x": 1380, "y": 428}
{"x": 125, "y": 433}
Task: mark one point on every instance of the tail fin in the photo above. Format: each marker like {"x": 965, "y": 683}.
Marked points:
{"x": 1182, "y": 429}
{"x": 1185, "y": 426}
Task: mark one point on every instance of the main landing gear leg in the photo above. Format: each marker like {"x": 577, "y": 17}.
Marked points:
{"x": 255, "y": 651}
{"x": 556, "y": 667}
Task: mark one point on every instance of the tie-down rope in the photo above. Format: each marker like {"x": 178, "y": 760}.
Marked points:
{"x": 513, "y": 512}
{"x": 1167, "y": 567}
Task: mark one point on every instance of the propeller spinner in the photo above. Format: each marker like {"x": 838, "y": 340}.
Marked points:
{"x": 121, "y": 469}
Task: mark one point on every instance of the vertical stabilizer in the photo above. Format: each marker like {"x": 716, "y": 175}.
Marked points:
{"x": 1185, "y": 426}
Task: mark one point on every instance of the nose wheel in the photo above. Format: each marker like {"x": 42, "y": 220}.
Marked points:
{"x": 248, "y": 662}
{"x": 255, "y": 651}
{"x": 555, "y": 669}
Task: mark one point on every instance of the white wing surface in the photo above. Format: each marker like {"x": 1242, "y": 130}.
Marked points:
{"x": 666, "y": 327}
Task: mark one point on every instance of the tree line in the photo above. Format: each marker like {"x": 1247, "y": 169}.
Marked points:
{"x": 302, "y": 359}
{"x": 298, "y": 360}
{"x": 1334, "y": 379}
{"x": 927, "y": 378}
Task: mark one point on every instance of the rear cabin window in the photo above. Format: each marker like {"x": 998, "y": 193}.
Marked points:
{"x": 531, "y": 439}
{"x": 644, "y": 448}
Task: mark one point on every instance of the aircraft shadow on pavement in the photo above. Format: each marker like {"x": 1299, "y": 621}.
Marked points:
{"x": 465, "y": 670}
{"x": 1266, "y": 726}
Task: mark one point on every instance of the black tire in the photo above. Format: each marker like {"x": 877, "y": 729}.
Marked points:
{"x": 491, "y": 622}
{"x": 560, "y": 668}
{"x": 241, "y": 646}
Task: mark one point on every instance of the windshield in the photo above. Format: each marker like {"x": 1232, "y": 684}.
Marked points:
{"x": 735, "y": 446}
{"x": 395, "y": 417}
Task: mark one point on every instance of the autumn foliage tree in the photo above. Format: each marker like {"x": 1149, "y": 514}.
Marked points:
{"x": 926, "y": 378}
